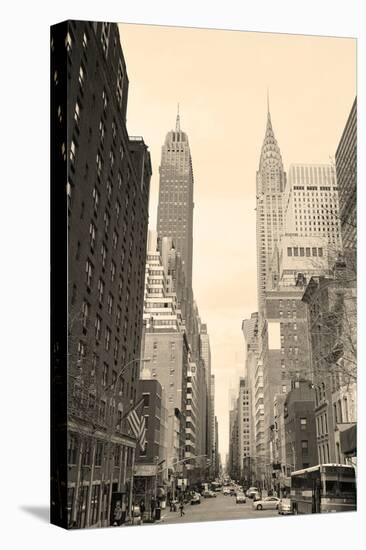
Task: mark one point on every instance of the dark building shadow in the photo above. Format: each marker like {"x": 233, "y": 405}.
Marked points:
{"x": 40, "y": 512}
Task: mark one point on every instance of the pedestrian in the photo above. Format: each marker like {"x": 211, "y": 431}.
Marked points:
{"x": 152, "y": 506}
{"x": 142, "y": 509}
{"x": 181, "y": 508}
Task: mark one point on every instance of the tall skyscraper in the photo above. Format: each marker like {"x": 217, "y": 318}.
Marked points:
{"x": 271, "y": 180}
{"x": 346, "y": 168}
{"x": 244, "y": 418}
{"x": 250, "y": 331}
{"x": 175, "y": 210}
{"x": 212, "y": 423}
{"x": 205, "y": 353}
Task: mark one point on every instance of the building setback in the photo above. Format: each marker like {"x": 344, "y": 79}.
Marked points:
{"x": 166, "y": 345}
{"x": 346, "y": 169}
{"x": 107, "y": 192}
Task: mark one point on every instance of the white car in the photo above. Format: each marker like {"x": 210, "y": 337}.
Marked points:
{"x": 240, "y": 498}
{"x": 268, "y": 503}
{"x": 285, "y": 506}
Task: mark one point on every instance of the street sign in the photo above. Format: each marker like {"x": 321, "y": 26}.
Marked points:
{"x": 145, "y": 470}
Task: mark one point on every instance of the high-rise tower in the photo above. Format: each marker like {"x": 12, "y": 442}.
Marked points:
{"x": 175, "y": 210}
{"x": 271, "y": 180}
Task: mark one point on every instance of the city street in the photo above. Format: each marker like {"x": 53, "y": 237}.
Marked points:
{"x": 216, "y": 509}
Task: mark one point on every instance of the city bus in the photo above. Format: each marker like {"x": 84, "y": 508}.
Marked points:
{"x": 323, "y": 488}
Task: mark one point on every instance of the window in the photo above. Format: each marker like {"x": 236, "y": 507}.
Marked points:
{"x": 314, "y": 251}
{"x": 68, "y": 42}
{"x": 95, "y": 361}
{"x": 303, "y": 423}
{"x": 289, "y": 251}
{"x": 81, "y": 75}
{"x": 100, "y": 290}
{"x": 116, "y": 349}
{"x": 99, "y": 453}
{"x": 320, "y": 252}
{"x": 113, "y": 271}
{"x": 118, "y": 317}
{"x": 72, "y": 448}
{"x": 302, "y": 251}
{"x": 73, "y": 152}
{"x": 92, "y": 234}
{"x": 304, "y": 446}
{"x": 98, "y": 327}
{"x": 101, "y": 132}
{"x": 110, "y": 304}
{"x": 119, "y": 82}
{"x": 105, "y": 100}
{"x": 103, "y": 252}
{"x": 115, "y": 239}
{"x": 117, "y": 455}
{"x": 284, "y": 388}
{"x": 106, "y": 221}
{"x": 296, "y": 251}
{"x": 111, "y": 158}
{"x": 96, "y": 199}
{"x": 77, "y": 113}
{"x": 85, "y": 41}
{"x": 89, "y": 272}
{"x": 107, "y": 339}
{"x": 146, "y": 397}
{"x": 105, "y": 374}
{"x": 85, "y": 313}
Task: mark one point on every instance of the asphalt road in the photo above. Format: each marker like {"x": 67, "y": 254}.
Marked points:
{"x": 216, "y": 509}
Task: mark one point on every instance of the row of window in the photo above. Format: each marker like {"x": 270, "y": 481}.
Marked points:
{"x": 305, "y": 251}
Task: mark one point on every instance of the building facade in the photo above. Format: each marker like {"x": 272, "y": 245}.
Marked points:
{"x": 311, "y": 204}
{"x": 331, "y": 309}
{"x": 300, "y": 433}
{"x": 107, "y": 191}
{"x": 150, "y": 472}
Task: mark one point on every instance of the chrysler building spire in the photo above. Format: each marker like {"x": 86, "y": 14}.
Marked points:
{"x": 177, "y": 124}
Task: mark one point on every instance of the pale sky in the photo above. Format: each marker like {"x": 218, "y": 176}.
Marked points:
{"x": 220, "y": 80}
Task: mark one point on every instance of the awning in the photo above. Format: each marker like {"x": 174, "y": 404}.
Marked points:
{"x": 348, "y": 440}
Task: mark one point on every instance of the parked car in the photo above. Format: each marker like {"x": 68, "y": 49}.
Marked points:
{"x": 285, "y": 506}
{"x": 212, "y": 494}
{"x": 226, "y": 491}
{"x": 251, "y": 492}
{"x": 208, "y": 494}
{"x": 196, "y": 498}
{"x": 232, "y": 491}
{"x": 268, "y": 503}
{"x": 240, "y": 498}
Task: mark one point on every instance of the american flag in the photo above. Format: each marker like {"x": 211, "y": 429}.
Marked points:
{"x": 137, "y": 425}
